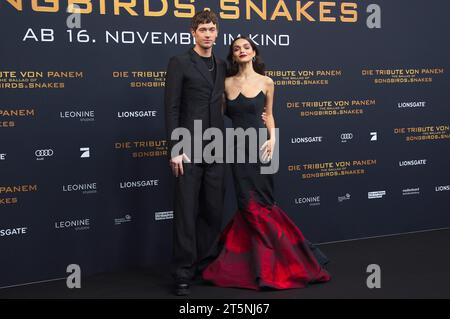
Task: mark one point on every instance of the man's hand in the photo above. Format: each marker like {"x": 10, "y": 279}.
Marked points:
{"x": 176, "y": 164}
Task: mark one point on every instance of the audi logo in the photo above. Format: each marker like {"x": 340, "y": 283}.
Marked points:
{"x": 42, "y": 153}
{"x": 347, "y": 136}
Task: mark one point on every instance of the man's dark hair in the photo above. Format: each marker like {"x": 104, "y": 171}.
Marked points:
{"x": 203, "y": 17}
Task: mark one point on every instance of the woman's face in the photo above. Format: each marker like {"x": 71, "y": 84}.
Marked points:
{"x": 242, "y": 51}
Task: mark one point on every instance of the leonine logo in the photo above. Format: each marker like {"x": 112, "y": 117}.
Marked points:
{"x": 81, "y": 224}
{"x": 84, "y": 116}
{"x": 88, "y": 188}
{"x": 311, "y": 201}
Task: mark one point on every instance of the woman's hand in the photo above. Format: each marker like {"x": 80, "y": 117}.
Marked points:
{"x": 267, "y": 149}
{"x": 264, "y": 117}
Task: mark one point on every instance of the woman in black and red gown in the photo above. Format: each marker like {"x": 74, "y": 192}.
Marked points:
{"x": 260, "y": 247}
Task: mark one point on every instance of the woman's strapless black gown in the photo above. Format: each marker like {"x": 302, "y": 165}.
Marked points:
{"x": 261, "y": 246}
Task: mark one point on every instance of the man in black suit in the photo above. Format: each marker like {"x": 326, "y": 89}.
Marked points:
{"x": 194, "y": 90}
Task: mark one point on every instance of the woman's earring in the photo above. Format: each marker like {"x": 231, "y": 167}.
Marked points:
{"x": 254, "y": 59}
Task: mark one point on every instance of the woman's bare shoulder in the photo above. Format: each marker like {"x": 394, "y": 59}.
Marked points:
{"x": 268, "y": 83}
{"x": 229, "y": 81}
{"x": 268, "y": 80}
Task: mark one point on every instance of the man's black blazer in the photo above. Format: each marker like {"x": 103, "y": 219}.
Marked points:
{"x": 190, "y": 94}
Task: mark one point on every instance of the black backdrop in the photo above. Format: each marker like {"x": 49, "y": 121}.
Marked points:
{"x": 61, "y": 92}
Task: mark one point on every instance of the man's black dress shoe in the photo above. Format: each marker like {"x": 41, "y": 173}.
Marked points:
{"x": 182, "y": 289}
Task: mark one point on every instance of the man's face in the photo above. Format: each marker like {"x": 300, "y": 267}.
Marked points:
{"x": 205, "y": 35}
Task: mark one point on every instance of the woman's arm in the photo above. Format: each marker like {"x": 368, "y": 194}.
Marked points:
{"x": 270, "y": 121}
{"x": 269, "y": 146}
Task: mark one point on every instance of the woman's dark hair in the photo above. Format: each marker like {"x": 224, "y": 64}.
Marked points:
{"x": 258, "y": 64}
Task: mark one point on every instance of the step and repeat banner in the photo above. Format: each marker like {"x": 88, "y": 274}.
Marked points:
{"x": 361, "y": 100}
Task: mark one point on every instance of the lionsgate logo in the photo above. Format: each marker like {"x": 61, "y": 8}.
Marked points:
{"x": 344, "y": 198}
{"x": 310, "y": 201}
{"x": 417, "y": 162}
{"x": 82, "y": 116}
{"x": 42, "y": 154}
{"x": 376, "y": 194}
{"x": 307, "y": 139}
{"x": 77, "y": 225}
{"x": 139, "y": 184}
{"x": 18, "y": 231}
{"x": 137, "y": 114}
{"x": 409, "y": 105}
{"x": 411, "y": 191}
{"x": 442, "y": 188}
{"x": 2, "y": 156}
{"x": 346, "y": 137}
{"x": 122, "y": 220}
{"x": 164, "y": 215}
{"x": 88, "y": 188}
